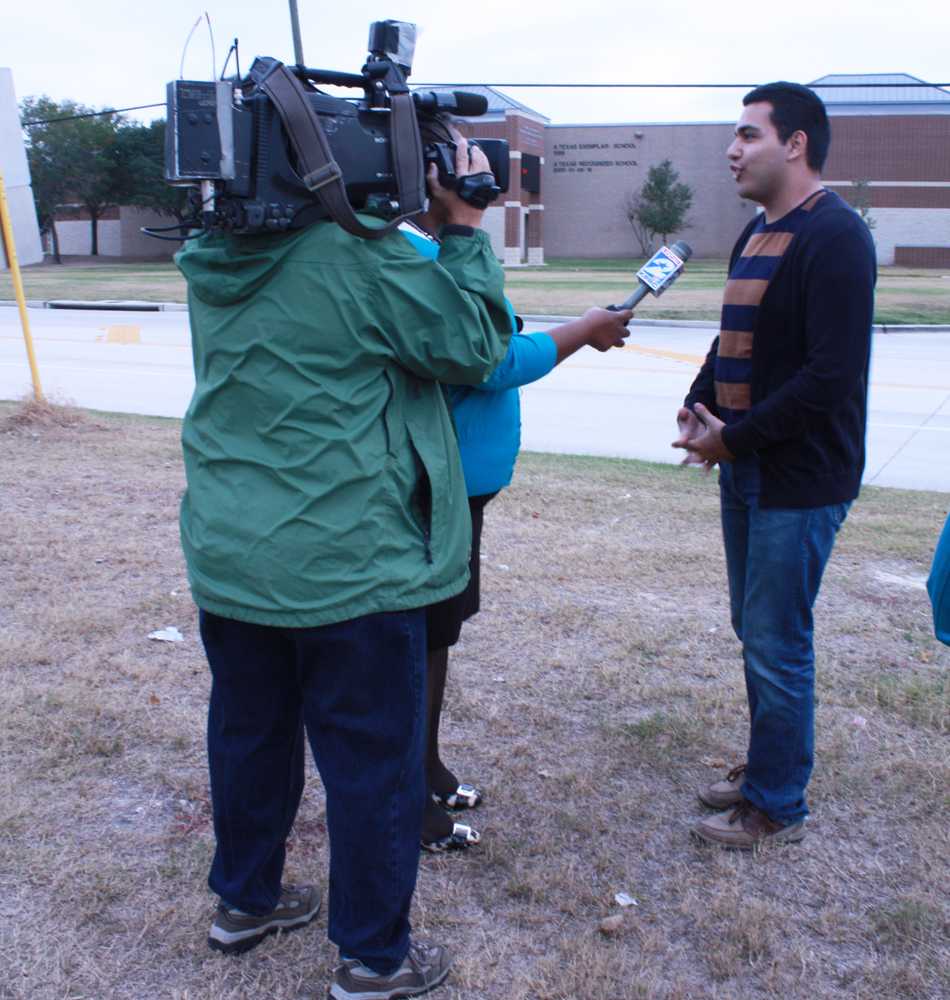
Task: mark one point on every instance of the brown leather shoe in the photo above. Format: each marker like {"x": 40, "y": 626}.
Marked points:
{"x": 744, "y": 828}
{"x": 724, "y": 793}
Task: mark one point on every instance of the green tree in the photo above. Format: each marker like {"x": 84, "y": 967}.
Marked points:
{"x": 141, "y": 166}
{"x": 660, "y": 207}
{"x": 644, "y": 236}
{"x": 71, "y": 160}
{"x": 861, "y": 202}
{"x": 49, "y": 181}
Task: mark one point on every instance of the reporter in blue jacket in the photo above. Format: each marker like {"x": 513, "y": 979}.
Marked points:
{"x": 487, "y": 421}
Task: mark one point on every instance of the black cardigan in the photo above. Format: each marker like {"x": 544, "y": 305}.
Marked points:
{"x": 810, "y": 354}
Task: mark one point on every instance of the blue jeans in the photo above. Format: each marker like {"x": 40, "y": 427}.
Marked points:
{"x": 775, "y": 559}
{"x": 356, "y": 689}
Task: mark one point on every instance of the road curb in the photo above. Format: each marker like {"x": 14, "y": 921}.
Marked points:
{"x": 911, "y": 328}
{"x": 701, "y": 324}
{"x": 101, "y": 305}
{"x": 122, "y": 305}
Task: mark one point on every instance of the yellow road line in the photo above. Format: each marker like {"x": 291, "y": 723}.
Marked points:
{"x": 121, "y": 334}
{"x": 102, "y": 338}
{"x": 659, "y": 352}
{"x": 132, "y": 335}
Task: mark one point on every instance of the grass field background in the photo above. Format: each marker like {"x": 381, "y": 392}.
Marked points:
{"x": 597, "y": 688}
{"x": 561, "y": 287}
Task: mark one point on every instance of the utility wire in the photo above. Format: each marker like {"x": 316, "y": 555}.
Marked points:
{"x": 90, "y": 114}
{"x": 686, "y": 86}
{"x": 561, "y": 86}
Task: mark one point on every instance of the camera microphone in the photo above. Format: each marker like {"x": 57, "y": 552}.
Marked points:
{"x": 658, "y": 273}
{"x": 455, "y": 102}
{"x": 469, "y": 104}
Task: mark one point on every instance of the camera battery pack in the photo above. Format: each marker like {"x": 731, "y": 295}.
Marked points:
{"x": 199, "y": 139}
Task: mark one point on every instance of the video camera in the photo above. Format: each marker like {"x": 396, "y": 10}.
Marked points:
{"x": 271, "y": 152}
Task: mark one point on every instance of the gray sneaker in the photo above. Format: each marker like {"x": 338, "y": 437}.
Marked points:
{"x": 422, "y": 969}
{"x": 725, "y": 793}
{"x": 235, "y": 931}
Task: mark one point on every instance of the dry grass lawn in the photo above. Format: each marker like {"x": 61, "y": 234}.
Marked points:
{"x": 904, "y": 295}
{"x": 562, "y": 287}
{"x": 598, "y": 687}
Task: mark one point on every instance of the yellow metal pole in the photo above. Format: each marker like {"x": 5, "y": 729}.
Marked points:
{"x": 7, "y": 230}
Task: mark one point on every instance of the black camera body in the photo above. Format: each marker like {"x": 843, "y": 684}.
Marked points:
{"x": 479, "y": 189}
{"x": 230, "y": 140}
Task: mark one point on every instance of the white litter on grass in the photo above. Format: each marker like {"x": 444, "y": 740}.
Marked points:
{"x": 910, "y": 582}
{"x": 625, "y": 900}
{"x": 168, "y": 634}
{"x": 502, "y": 566}
{"x": 859, "y": 722}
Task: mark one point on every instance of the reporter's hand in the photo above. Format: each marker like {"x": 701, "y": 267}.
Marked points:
{"x": 606, "y": 328}
{"x": 453, "y": 209}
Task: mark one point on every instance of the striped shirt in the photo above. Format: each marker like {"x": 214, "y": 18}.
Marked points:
{"x": 748, "y": 280}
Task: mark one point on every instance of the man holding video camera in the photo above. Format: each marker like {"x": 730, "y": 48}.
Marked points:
{"x": 325, "y": 507}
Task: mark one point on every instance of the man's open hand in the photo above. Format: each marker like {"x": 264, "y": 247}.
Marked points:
{"x": 701, "y": 437}
{"x": 690, "y": 427}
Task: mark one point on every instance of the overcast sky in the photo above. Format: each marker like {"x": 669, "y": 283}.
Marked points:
{"x": 108, "y": 53}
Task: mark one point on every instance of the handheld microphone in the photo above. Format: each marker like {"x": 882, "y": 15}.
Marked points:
{"x": 658, "y": 273}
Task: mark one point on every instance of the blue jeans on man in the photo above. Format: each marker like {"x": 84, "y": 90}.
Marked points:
{"x": 356, "y": 689}
{"x": 775, "y": 559}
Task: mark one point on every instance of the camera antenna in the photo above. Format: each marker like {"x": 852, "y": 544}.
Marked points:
{"x": 184, "y": 51}
{"x": 295, "y": 29}
{"x": 214, "y": 58}
{"x": 233, "y": 51}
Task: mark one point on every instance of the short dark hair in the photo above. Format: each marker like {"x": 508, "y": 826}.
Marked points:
{"x": 796, "y": 109}
{"x": 435, "y": 128}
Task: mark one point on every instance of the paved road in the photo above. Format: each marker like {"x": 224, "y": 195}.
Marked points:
{"x": 624, "y": 403}
{"x": 621, "y": 404}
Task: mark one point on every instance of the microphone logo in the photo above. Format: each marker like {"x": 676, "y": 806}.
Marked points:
{"x": 658, "y": 273}
{"x": 660, "y": 270}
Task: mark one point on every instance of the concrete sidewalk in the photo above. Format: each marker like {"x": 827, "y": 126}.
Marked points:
{"x": 622, "y": 403}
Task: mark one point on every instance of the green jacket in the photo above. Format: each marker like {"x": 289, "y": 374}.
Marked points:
{"x": 324, "y": 480}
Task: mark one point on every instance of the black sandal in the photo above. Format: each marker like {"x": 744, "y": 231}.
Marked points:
{"x": 460, "y": 839}
{"x": 464, "y": 797}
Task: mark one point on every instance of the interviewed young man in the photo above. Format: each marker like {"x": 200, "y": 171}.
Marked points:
{"x": 325, "y": 508}
{"x": 780, "y": 405}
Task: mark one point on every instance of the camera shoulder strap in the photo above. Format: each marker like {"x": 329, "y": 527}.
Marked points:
{"x": 321, "y": 173}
